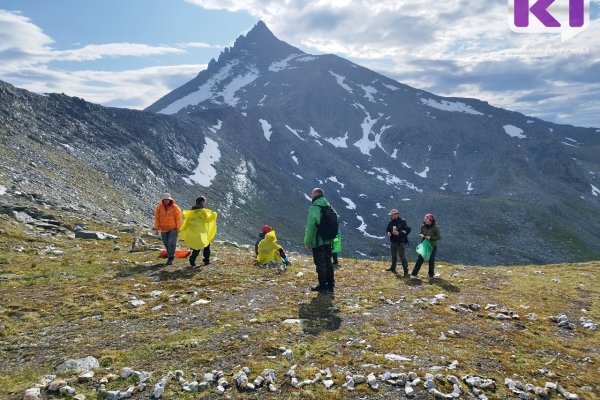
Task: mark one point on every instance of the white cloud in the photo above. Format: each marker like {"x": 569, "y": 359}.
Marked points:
{"x": 25, "y": 51}
{"x": 131, "y": 88}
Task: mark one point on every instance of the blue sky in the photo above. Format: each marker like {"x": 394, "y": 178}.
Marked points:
{"x": 128, "y": 53}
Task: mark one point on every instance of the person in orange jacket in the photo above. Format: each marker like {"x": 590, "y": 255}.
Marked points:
{"x": 167, "y": 221}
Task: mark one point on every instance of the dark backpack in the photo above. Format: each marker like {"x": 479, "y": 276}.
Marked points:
{"x": 329, "y": 226}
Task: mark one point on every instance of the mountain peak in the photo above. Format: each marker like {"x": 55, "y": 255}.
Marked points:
{"x": 260, "y": 31}
{"x": 261, "y": 40}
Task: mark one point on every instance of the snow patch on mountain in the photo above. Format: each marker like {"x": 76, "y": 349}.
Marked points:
{"x": 391, "y": 87}
{"x": 236, "y": 84}
{"x": 452, "y": 106}
{"x": 379, "y": 206}
{"x": 394, "y": 154}
{"x": 369, "y": 92}
{"x": 469, "y": 186}
{"x": 424, "y": 173}
{"x": 595, "y": 191}
{"x": 2, "y": 190}
{"x": 513, "y": 131}
{"x": 340, "y": 142}
{"x": 216, "y": 127}
{"x": 363, "y": 228}
{"x": 365, "y": 145}
{"x": 297, "y": 176}
{"x": 242, "y": 183}
{"x": 204, "y": 92}
{"x": 335, "y": 180}
{"x": 392, "y": 180}
{"x": 205, "y": 171}
{"x": 294, "y": 157}
{"x": 340, "y": 81}
{"x": 282, "y": 64}
{"x": 569, "y": 144}
{"x": 306, "y": 58}
{"x": 349, "y": 203}
{"x": 260, "y": 102}
{"x": 312, "y": 132}
{"x": 295, "y": 132}
{"x": 266, "y": 127}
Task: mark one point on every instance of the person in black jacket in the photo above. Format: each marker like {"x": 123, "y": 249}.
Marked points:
{"x": 398, "y": 231}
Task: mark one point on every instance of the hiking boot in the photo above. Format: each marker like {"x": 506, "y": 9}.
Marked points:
{"x": 406, "y": 275}
{"x": 318, "y": 288}
{"x": 330, "y": 287}
{"x": 169, "y": 261}
{"x": 391, "y": 269}
{"x": 192, "y": 262}
{"x": 206, "y": 262}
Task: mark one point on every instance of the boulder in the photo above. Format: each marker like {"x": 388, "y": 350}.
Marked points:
{"x": 32, "y": 394}
{"x": 78, "y": 365}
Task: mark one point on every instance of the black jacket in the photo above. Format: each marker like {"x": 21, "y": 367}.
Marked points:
{"x": 261, "y": 236}
{"x": 401, "y": 226}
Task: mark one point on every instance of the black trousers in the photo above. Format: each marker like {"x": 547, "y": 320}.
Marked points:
{"x": 420, "y": 261}
{"x": 322, "y": 259}
{"x": 205, "y": 253}
{"x": 398, "y": 251}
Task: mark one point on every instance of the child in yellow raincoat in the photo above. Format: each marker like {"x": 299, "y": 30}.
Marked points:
{"x": 269, "y": 251}
{"x": 198, "y": 230}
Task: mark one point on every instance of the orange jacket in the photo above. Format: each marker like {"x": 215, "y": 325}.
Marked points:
{"x": 167, "y": 218}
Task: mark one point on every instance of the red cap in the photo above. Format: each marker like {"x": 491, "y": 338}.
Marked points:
{"x": 266, "y": 229}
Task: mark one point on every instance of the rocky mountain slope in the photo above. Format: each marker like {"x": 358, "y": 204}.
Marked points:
{"x": 266, "y": 122}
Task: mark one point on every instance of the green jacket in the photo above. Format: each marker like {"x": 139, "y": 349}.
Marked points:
{"x": 432, "y": 231}
{"x": 311, "y": 238}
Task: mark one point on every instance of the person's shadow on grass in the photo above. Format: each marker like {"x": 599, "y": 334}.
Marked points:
{"x": 319, "y": 315}
{"x": 444, "y": 284}
{"x": 183, "y": 273}
{"x": 140, "y": 269}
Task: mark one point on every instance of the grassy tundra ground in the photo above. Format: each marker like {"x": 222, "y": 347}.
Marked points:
{"x": 78, "y": 304}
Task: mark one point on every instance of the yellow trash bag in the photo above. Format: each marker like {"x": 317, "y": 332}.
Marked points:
{"x": 199, "y": 227}
{"x": 268, "y": 249}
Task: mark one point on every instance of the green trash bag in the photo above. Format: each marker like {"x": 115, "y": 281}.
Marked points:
{"x": 337, "y": 244}
{"x": 424, "y": 249}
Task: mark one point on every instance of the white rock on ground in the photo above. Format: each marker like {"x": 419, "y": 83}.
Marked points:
{"x": 32, "y": 394}
{"x": 395, "y": 357}
{"x": 78, "y": 365}
{"x": 125, "y": 372}
{"x": 86, "y": 376}
{"x": 56, "y": 384}
{"x": 349, "y": 384}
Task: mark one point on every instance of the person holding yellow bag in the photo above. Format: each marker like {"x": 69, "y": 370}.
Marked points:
{"x": 198, "y": 230}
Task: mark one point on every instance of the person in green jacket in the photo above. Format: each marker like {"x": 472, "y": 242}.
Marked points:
{"x": 431, "y": 232}
{"x": 321, "y": 249}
